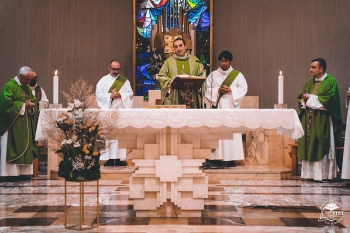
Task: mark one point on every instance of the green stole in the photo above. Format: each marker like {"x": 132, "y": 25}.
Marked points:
{"x": 228, "y": 81}
{"x": 118, "y": 83}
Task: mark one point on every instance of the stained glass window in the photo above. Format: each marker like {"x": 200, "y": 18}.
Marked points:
{"x": 176, "y": 13}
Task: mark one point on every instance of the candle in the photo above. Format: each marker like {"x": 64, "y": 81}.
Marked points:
{"x": 280, "y": 88}
{"x": 55, "y": 88}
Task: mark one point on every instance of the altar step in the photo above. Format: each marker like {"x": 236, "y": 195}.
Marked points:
{"x": 241, "y": 172}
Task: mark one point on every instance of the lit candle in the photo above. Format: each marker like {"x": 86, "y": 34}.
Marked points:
{"x": 55, "y": 88}
{"x": 280, "y": 88}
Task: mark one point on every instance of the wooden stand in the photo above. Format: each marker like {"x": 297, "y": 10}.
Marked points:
{"x": 81, "y": 225}
{"x": 187, "y": 83}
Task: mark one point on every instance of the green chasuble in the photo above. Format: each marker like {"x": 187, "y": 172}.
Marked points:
{"x": 315, "y": 144}
{"x": 21, "y": 145}
{"x": 174, "y": 66}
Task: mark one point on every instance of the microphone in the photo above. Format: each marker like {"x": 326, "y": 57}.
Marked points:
{"x": 204, "y": 64}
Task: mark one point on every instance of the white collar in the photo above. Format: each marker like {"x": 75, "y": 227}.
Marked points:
{"x": 224, "y": 72}
{"x": 18, "y": 82}
{"x": 322, "y": 78}
{"x": 114, "y": 77}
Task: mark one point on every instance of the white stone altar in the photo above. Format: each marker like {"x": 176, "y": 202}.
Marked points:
{"x": 168, "y": 146}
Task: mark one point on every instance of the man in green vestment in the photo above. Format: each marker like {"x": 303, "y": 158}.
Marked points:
{"x": 180, "y": 63}
{"x": 320, "y": 115}
{"x": 17, "y": 126}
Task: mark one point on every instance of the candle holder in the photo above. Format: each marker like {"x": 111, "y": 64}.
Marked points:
{"x": 280, "y": 106}
{"x": 55, "y": 106}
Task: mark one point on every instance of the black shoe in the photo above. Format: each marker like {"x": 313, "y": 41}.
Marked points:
{"x": 110, "y": 162}
{"x": 119, "y": 163}
{"x": 10, "y": 178}
{"x": 25, "y": 177}
{"x": 231, "y": 163}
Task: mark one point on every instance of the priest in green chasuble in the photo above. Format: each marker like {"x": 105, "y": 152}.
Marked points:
{"x": 320, "y": 115}
{"x": 17, "y": 126}
{"x": 178, "y": 64}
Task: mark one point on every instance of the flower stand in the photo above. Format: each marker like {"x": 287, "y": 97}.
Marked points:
{"x": 81, "y": 225}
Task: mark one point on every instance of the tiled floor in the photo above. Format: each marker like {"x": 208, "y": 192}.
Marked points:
{"x": 232, "y": 206}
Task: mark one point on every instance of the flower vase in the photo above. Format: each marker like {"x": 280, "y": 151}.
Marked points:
{"x": 68, "y": 169}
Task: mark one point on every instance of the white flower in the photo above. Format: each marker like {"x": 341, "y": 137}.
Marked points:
{"x": 76, "y": 144}
{"x": 77, "y": 103}
{"x": 74, "y": 138}
{"x": 66, "y": 141}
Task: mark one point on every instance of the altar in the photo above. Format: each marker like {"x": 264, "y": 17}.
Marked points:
{"x": 168, "y": 146}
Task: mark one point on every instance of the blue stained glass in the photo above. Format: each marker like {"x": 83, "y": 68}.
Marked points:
{"x": 195, "y": 3}
{"x": 146, "y": 16}
{"x": 153, "y": 14}
{"x": 139, "y": 15}
{"x": 193, "y": 16}
{"x": 145, "y": 32}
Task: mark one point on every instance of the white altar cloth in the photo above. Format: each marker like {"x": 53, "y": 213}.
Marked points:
{"x": 285, "y": 121}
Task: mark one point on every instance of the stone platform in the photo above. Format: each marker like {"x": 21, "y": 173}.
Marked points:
{"x": 240, "y": 172}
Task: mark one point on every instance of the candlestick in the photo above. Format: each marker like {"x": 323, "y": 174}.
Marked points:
{"x": 280, "y": 88}
{"x": 55, "y": 88}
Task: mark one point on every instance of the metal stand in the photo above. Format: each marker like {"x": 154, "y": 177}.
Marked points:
{"x": 81, "y": 225}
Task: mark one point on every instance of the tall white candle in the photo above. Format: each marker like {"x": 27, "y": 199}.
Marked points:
{"x": 55, "y": 88}
{"x": 280, "y": 88}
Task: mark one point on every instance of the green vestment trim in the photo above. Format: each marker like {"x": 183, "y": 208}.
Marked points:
{"x": 21, "y": 145}
{"x": 118, "y": 83}
{"x": 183, "y": 66}
{"x": 228, "y": 81}
{"x": 315, "y": 144}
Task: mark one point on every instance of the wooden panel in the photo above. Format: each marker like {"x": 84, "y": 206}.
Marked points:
{"x": 266, "y": 36}
{"x": 78, "y": 38}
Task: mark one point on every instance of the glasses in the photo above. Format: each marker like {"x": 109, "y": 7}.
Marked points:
{"x": 116, "y": 69}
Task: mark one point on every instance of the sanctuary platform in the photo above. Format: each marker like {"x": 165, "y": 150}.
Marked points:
{"x": 240, "y": 172}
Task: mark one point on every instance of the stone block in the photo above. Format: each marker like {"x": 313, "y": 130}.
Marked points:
{"x": 201, "y": 153}
{"x": 185, "y": 184}
{"x": 136, "y": 188}
{"x": 185, "y": 151}
{"x": 168, "y": 168}
{"x": 200, "y": 187}
{"x": 152, "y": 184}
{"x": 143, "y": 139}
{"x": 152, "y": 151}
{"x": 135, "y": 154}
{"x": 147, "y": 203}
{"x": 190, "y": 203}
{"x": 209, "y": 144}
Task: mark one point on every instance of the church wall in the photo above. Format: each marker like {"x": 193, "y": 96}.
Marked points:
{"x": 266, "y": 36}
{"x": 78, "y": 38}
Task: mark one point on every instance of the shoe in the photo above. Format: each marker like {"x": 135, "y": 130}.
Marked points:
{"x": 25, "y": 177}
{"x": 110, "y": 162}
{"x": 119, "y": 163}
{"x": 231, "y": 163}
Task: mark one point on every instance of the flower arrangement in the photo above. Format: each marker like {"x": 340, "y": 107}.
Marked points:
{"x": 80, "y": 133}
{"x": 156, "y": 63}
{"x": 81, "y": 144}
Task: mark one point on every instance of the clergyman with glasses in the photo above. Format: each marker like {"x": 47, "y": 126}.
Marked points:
{"x": 113, "y": 91}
